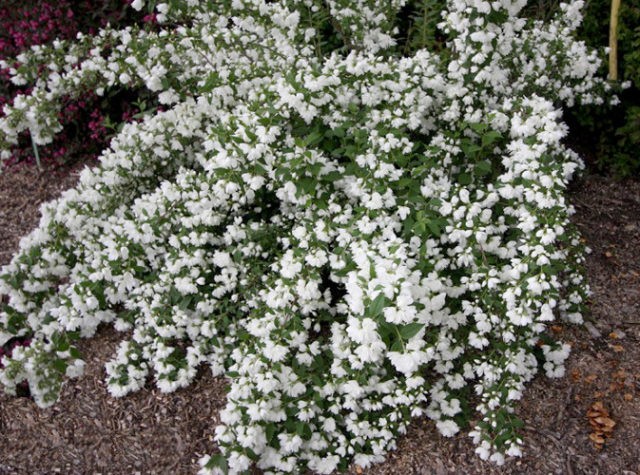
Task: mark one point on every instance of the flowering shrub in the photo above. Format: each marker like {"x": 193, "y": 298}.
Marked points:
{"x": 352, "y": 236}
{"x": 24, "y": 24}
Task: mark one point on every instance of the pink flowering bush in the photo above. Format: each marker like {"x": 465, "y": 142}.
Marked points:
{"x": 353, "y": 224}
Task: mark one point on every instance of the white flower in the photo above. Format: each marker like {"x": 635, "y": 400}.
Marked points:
{"x": 275, "y": 352}
{"x": 404, "y": 362}
{"x": 447, "y": 427}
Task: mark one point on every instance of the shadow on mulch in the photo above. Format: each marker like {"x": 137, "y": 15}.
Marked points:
{"x": 149, "y": 432}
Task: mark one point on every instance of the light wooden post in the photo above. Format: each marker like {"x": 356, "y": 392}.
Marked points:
{"x": 613, "y": 40}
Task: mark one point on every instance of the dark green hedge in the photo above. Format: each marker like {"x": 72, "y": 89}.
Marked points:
{"x": 614, "y": 133}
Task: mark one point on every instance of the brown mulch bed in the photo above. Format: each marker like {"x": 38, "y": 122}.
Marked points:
{"x": 22, "y": 189}
{"x": 149, "y": 432}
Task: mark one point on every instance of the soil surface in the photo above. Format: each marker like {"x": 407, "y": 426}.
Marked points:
{"x": 89, "y": 432}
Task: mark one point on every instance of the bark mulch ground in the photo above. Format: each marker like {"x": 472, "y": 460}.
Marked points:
{"x": 148, "y": 432}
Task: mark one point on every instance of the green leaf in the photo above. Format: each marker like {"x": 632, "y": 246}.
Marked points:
{"x": 435, "y": 203}
{"x": 60, "y": 365}
{"x": 314, "y": 137}
{"x": 270, "y": 431}
{"x": 350, "y": 151}
{"x": 211, "y": 82}
{"x": 375, "y": 308}
{"x": 63, "y": 345}
{"x": 218, "y": 461}
{"x": 15, "y": 323}
{"x": 386, "y": 331}
{"x": 397, "y": 346}
{"x": 490, "y": 137}
{"x": 410, "y": 330}
{"x": 471, "y": 149}
{"x": 308, "y": 185}
{"x": 434, "y": 227}
{"x": 464, "y": 179}
{"x": 185, "y": 302}
{"x": 73, "y": 351}
{"x": 482, "y": 168}
{"x": 517, "y": 423}
{"x": 251, "y": 454}
{"x": 478, "y": 127}
{"x": 174, "y": 296}
{"x": 339, "y": 132}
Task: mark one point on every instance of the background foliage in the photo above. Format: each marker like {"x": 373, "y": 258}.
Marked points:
{"x": 615, "y": 133}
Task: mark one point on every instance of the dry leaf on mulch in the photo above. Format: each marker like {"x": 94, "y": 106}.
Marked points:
{"x": 601, "y": 424}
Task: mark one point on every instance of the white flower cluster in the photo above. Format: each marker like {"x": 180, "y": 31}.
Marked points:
{"x": 351, "y": 236}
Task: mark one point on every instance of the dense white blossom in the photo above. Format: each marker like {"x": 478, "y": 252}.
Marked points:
{"x": 352, "y": 236}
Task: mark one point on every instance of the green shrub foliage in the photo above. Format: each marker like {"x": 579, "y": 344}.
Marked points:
{"x": 615, "y": 132}
{"x": 353, "y": 229}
